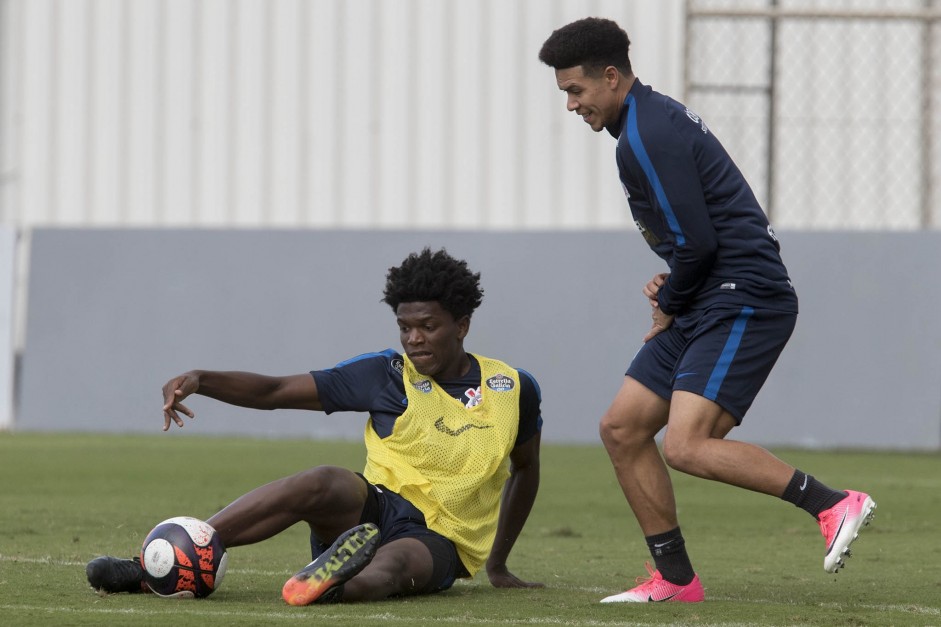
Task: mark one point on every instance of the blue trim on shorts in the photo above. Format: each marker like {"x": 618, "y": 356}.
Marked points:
{"x": 728, "y": 354}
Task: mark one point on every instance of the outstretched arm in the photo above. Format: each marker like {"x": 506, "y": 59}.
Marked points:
{"x": 519, "y": 494}
{"x": 244, "y": 389}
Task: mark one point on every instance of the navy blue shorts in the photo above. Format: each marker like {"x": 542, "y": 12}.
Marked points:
{"x": 397, "y": 518}
{"x": 724, "y": 353}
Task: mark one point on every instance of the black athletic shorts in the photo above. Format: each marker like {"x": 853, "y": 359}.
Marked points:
{"x": 723, "y": 353}
{"x": 397, "y": 518}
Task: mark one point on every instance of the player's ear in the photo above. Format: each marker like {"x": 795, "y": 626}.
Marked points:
{"x": 463, "y": 326}
{"x": 612, "y": 76}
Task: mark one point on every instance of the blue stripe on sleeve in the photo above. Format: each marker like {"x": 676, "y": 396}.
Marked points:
{"x": 637, "y": 145}
{"x": 532, "y": 380}
{"x": 728, "y": 354}
{"x": 388, "y": 353}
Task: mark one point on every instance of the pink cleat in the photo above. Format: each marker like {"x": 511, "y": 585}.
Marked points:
{"x": 656, "y": 590}
{"x": 840, "y": 525}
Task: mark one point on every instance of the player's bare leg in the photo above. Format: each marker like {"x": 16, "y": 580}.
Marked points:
{"x": 330, "y": 499}
{"x": 355, "y": 568}
{"x": 691, "y": 447}
{"x": 627, "y": 430}
{"x": 402, "y": 567}
{"x": 694, "y": 443}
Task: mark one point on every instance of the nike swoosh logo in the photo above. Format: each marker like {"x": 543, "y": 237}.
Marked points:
{"x": 658, "y": 545}
{"x": 837, "y": 534}
{"x": 805, "y": 483}
{"x": 440, "y": 426}
{"x": 650, "y": 598}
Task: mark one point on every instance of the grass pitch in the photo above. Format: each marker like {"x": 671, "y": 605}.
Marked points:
{"x": 65, "y": 499}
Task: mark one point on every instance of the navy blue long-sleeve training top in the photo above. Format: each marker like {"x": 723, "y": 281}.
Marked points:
{"x": 695, "y": 209}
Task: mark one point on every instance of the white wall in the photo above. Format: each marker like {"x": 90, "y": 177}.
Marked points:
{"x": 437, "y": 113}
{"x": 7, "y": 283}
{"x": 364, "y": 114}
{"x": 7, "y": 288}
{"x": 324, "y": 113}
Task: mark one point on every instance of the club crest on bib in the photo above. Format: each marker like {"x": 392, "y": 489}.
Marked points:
{"x": 500, "y": 383}
{"x": 473, "y": 397}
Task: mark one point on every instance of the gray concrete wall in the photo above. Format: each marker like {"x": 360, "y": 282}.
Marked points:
{"x": 113, "y": 314}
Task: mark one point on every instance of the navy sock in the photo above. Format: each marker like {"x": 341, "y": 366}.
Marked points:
{"x": 810, "y": 495}
{"x": 669, "y": 554}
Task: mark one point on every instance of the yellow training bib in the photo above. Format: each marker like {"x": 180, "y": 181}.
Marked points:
{"x": 451, "y": 461}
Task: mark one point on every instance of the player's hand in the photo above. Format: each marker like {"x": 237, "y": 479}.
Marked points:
{"x": 500, "y": 577}
{"x": 653, "y": 287}
{"x": 174, "y": 391}
{"x": 661, "y": 322}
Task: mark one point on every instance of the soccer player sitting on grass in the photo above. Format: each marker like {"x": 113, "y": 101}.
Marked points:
{"x": 452, "y": 455}
{"x": 721, "y": 315}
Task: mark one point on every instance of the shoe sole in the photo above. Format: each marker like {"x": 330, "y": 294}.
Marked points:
{"x": 848, "y": 535}
{"x": 681, "y": 594}
{"x": 621, "y": 598}
{"x": 350, "y": 554}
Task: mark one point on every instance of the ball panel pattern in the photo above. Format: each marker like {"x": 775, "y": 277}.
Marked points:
{"x": 183, "y": 557}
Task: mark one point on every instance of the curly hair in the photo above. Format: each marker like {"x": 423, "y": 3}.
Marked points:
{"x": 593, "y": 43}
{"x": 434, "y": 276}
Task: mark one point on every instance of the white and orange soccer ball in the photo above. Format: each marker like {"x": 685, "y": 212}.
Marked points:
{"x": 183, "y": 557}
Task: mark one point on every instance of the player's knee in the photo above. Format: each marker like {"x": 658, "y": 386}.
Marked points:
{"x": 679, "y": 455}
{"x": 612, "y": 431}
{"x": 618, "y": 432}
{"x": 308, "y": 486}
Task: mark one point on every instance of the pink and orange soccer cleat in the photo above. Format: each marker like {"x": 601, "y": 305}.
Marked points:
{"x": 656, "y": 589}
{"x": 321, "y": 580}
{"x": 840, "y": 525}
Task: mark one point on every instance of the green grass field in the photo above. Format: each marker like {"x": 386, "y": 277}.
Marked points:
{"x": 65, "y": 499}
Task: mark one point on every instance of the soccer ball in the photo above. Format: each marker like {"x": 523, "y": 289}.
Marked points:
{"x": 183, "y": 557}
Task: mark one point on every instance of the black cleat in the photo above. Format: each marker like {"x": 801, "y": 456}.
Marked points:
{"x": 108, "y": 575}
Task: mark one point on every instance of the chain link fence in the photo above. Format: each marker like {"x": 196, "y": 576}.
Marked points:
{"x": 830, "y": 108}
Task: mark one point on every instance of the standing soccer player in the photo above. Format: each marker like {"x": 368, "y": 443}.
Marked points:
{"x": 721, "y": 315}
